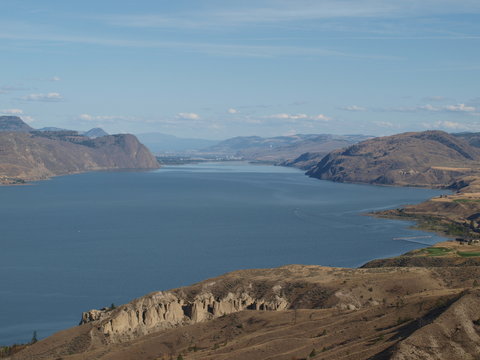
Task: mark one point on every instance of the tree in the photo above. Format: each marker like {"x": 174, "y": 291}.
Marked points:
{"x": 34, "y": 337}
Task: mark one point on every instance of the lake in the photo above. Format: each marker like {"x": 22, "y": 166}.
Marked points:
{"x": 85, "y": 241}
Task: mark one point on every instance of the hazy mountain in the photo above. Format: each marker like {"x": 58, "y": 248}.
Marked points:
{"x": 430, "y": 158}
{"x": 14, "y": 124}
{"x": 95, "y": 133}
{"x": 92, "y": 133}
{"x": 472, "y": 138}
{"x": 51, "y": 128}
{"x": 281, "y": 148}
{"x": 163, "y": 143}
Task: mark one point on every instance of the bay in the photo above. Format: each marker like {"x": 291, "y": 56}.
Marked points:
{"x": 85, "y": 241}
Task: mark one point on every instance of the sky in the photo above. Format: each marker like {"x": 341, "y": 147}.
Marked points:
{"x": 216, "y": 69}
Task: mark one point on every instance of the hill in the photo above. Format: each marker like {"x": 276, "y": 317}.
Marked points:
{"x": 428, "y": 159}
{"x": 95, "y": 133}
{"x": 36, "y": 155}
{"x": 281, "y": 148}
{"x": 292, "y": 312}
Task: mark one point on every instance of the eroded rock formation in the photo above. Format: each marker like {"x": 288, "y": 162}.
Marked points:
{"x": 163, "y": 310}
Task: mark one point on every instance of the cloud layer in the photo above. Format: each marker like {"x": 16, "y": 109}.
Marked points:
{"x": 48, "y": 97}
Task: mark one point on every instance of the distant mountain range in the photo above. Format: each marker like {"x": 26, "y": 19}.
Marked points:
{"x": 28, "y": 154}
{"x": 16, "y": 124}
{"x": 281, "y": 148}
{"x": 429, "y": 159}
{"x": 254, "y": 148}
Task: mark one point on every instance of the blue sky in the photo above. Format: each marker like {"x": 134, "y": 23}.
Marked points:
{"x": 217, "y": 69}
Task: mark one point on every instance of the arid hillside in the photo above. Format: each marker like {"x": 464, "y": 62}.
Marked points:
{"x": 35, "y": 155}
{"x": 292, "y": 312}
{"x": 427, "y": 159}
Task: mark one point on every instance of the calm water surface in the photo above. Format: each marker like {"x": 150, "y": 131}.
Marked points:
{"x": 85, "y": 241}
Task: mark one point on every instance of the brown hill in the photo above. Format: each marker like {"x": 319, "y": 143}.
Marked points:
{"x": 306, "y": 160}
{"x": 292, "y": 312}
{"x": 429, "y": 159}
{"x": 40, "y": 155}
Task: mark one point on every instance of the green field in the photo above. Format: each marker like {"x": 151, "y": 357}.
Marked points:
{"x": 468, "y": 254}
{"x": 436, "y": 251}
{"x": 466, "y": 200}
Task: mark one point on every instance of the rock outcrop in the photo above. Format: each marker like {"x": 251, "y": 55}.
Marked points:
{"x": 163, "y": 310}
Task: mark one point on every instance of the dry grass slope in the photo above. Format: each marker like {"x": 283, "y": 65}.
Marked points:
{"x": 374, "y": 313}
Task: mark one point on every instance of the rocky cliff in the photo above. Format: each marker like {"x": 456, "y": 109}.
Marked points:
{"x": 428, "y": 159}
{"x": 163, "y": 310}
{"x": 26, "y": 156}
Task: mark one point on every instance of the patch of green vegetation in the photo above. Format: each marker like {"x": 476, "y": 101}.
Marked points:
{"x": 468, "y": 253}
{"x": 437, "y": 224}
{"x": 447, "y": 227}
{"x": 467, "y": 201}
{"x": 436, "y": 251}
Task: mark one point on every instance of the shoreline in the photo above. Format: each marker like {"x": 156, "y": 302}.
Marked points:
{"x": 358, "y": 265}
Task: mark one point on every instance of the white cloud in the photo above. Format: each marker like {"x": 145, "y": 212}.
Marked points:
{"x": 213, "y": 48}
{"x": 287, "y": 116}
{"x": 450, "y": 125}
{"x": 49, "y": 97}
{"x": 12, "y": 111}
{"x": 56, "y": 78}
{"x": 287, "y": 11}
{"x": 353, "y": 108}
{"x": 294, "y": 117}
{"x": 8, "y": 89}
{"x": 188, "y": 116}
{"x": 460, "y": 107}
{"x": 435, "y": 98}
{"x": 321, "y": 117}
{"x": 104, "y": 118}
{"x": 232, "y": 111}
{"x": 86, "y": 117}
{"x": 385, "y": 124}
{"x": 432, "y": 108}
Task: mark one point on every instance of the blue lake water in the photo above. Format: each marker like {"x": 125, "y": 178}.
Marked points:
{"x": 85, "y": 241}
